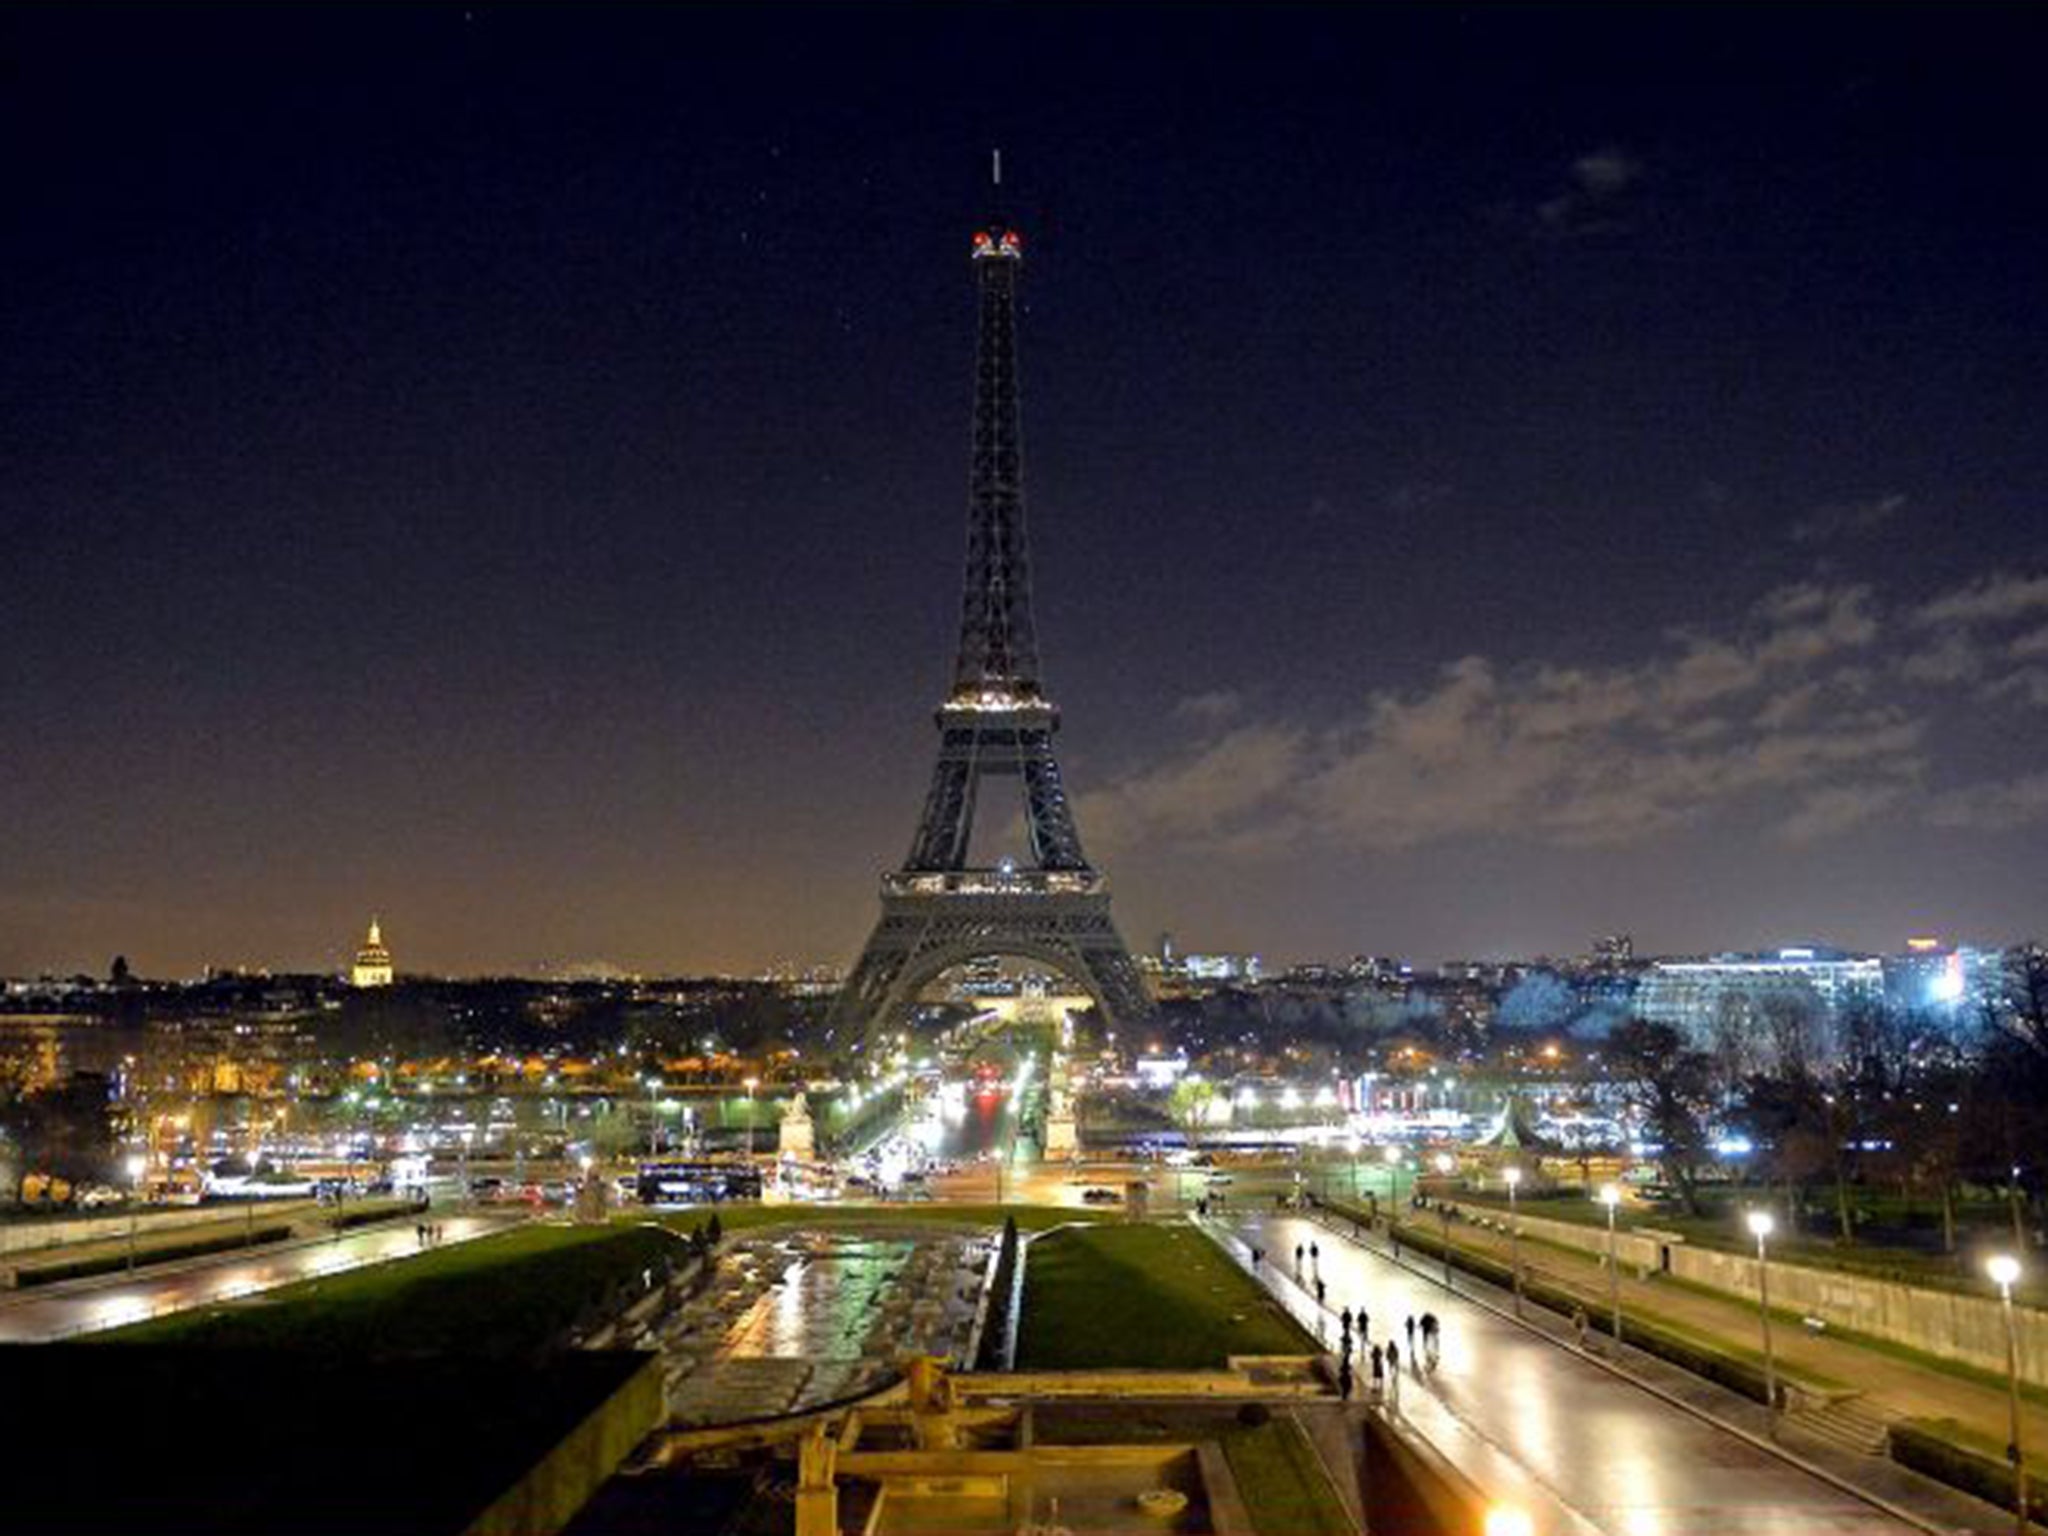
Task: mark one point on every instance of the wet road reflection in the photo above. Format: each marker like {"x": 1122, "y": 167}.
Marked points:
{"x": 42, "y": 1317}
{"x": 1581, "y": 1449}
{"x": 798, "y": 1318}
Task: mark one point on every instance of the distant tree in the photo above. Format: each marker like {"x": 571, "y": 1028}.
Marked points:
{"x": 1189, "y": 1105}
{"x": 1670, "y": 1088}
{"x": 117, "y": 973}
{"x": 66, "y": 1131}
{"x": 1537, "y": 1004}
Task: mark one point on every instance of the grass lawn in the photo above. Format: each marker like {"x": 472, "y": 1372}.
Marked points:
{"x": 508, "y": 1294}
{"x": 1720, "y": 1228}
{"x": 1138, "y": 1296}
{"x": 1282, "y": 1482}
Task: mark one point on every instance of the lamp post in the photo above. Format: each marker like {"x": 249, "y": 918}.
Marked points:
{"x": 1444, "y": 1164}
{"x": 1610, "y": 1196}
{"x": 1760, "y": 1225}
{"x": 1513, "y": 1176}
{"x": 137, "y": 1165}
{"x": 653, "y": 1116}
{"x": 2005, "y": 1270}
{"x": 752, "y": 1084}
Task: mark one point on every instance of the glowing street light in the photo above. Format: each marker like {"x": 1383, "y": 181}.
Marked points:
{"x": 1513, "y": 1176}
{"x": 1610, "y": 1196}
{"x": 1760, "y": 1225}
{"x": 2004, "y": 1270}
{"x": 1444, "y": 1164}
{"x": 137, "y": 1165}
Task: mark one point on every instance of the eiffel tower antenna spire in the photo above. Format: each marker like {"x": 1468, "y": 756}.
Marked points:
{"x": 941, "y": 910}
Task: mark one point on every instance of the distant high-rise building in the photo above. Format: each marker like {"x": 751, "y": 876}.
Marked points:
{"x": 1932, "y": 977}
{"x": 373, "y": 961}
{"x": 1740, "y": 992}
{"x": 1614, "y": 951}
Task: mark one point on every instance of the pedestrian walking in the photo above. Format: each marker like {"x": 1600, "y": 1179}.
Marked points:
{"x": 1394, "y": 1357}
{"x": 1315, "y": 1255}
{"x": 1411, "y": 1335}
{"x": 1364, "y": 1328}
{"x": 1347, "y": 1322}
{"x": 1297, "y": 1256}
{"x": 1579, "y": 1325}
{"x": 1379, "y": 1372}
{"x": 1344, "y": 1377}
{"x": 1319, "y": 1290}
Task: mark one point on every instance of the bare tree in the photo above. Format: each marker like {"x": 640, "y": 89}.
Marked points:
{"x": 1670, "y": 1088}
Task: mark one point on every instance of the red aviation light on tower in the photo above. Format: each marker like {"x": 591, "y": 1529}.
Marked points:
{"x": 998, "y": 242}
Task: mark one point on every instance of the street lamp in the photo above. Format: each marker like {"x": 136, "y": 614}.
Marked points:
{"x": 1513, "y": 1176}
{"x": 752, "y": 1084}
{"x": 1610, "y": 1196}
{"x": 1444, "y": 1164}
{"x": 653, "y": 1116}
{"x": 1760, "y": 1225}
{"x": 2005, "y": 1271}
{"x": 137, "y": 1166}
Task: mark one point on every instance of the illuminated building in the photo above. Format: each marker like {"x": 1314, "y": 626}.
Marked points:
{"x": 1934, "y": 977}
{"x": 1701, "y": 996}
{"x": 373, "y": 961}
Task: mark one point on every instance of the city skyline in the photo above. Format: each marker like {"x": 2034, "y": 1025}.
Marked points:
{"x": 517, "y": 512}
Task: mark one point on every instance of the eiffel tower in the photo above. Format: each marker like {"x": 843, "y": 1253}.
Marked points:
{"x": 938, "y": 910}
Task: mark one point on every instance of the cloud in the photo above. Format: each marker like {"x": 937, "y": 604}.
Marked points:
{"x": 1412, "y": 496}
{"x": 1766, "y": 721}
{"x": 1601, "y": 188}
{"x": 1847, "y": 519}
{"x": 1839, "y": 808}
{"x": 1995, "y": 806}
{"x": 1992, "y": 599}
{"x": 1606, "y": 172}
{"x": 2029, "y": 685}
{"x": 1217, "y": 704}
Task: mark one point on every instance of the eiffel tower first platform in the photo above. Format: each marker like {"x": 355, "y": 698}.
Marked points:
{"x": 939, "y": 911}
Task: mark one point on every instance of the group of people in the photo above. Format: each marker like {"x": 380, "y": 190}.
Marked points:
{"x": 1385, "y": 1359}
{"x": 427, "y": 1233}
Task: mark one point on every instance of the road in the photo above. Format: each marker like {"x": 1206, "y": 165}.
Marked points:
{"x": 87, "y": 1306}
{"x": 1579, "y": 1448}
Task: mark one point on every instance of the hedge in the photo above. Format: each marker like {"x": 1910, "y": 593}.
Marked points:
{"x": 1928, "y": 1447}
{"x": 108, "y": 1263}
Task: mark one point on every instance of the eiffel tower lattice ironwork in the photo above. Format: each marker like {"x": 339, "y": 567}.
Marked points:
{"x": 939, "y": 911}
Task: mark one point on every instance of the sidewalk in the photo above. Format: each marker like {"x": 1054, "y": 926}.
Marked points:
{"x": 1890, "y": 1386}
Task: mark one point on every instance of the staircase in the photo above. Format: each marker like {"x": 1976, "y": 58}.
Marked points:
{"x": 1847, "y": 1423}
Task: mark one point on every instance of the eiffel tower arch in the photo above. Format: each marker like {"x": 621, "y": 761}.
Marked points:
{"x": 940, "y": 910}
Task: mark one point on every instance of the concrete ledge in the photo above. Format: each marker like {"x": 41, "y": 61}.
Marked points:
{"x": 549, "y": 1495}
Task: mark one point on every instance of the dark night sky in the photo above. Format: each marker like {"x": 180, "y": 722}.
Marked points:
{"x": 1497, "y": 475}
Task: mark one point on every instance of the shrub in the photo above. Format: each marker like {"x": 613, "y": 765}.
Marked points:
{"x": 1925, "y": 1446}
{"x": 1254, "y": 1415}
{"x": 109, "y": 1263}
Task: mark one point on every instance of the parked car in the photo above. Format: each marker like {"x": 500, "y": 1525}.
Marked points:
{"x": 1100, "y": 1196}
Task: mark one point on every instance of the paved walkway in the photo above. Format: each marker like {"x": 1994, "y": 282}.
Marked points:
{"x": 1579, "y": 1446}
{"x": 1895, "y": 1388}
{"x": 86, "y": 1306}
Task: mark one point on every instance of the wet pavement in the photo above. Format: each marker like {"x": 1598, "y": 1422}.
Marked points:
{"x": 1576, "y": 1446}
{"x": 793, "y": 1319}
{"x": 57, "y": 1312}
